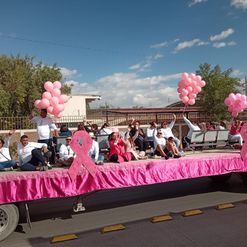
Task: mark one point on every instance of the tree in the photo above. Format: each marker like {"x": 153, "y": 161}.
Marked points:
{"x": 21, "y": 83}
{"x": 218, "y": 86}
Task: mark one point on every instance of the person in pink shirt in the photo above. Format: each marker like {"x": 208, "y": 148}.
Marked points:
{"x": 117, "y": 148}
{"x": 234, "y": 133}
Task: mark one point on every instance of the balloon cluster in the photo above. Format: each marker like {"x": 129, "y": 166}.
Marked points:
{"x": 52, "y": 99}
{"x": 189, "y": 87}
{"x": 236, "y": 103}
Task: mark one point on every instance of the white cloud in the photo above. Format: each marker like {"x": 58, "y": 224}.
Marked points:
{"x": 219, "y": 44}
{"x": 237, "y": 73}
{"x": 159, "y": 45}
{"x": 224, "y": 44}
{"x": 147, "y": 63}
{"x": 222, "y": 35}
{"x": 240, "y": 4}
{"x": 67, "y": 73}
{"x": 231, "y": 43}
{"x": 129, "y": 89}
{"x": 189, "y": 44}
{"x": 193, "y": 2}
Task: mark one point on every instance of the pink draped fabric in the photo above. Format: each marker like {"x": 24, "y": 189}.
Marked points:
{"x": 26, "y": 186}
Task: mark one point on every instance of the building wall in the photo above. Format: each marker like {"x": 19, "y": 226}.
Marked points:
{"x": 76, "y": 106}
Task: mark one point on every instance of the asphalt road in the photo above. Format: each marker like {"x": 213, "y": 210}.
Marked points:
{"x": 226, "y": 227}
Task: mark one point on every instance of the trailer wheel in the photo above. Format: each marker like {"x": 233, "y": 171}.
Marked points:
{"x": 221, "y": 178}
{"x": 243, "y": 176}
{"x": 9, "y": 218}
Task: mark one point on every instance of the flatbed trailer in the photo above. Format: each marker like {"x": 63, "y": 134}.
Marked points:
{"x": 22, "y": 188}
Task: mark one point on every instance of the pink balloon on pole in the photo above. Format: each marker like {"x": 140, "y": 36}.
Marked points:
{"x": 189, "y": 89}
{"x": 46, "y": 95}
{"x": 192, "y": 96}
{"x": 59, "y": 115}
{"x": 48, "y": 86}
{"x": 44, "y": 103}
{"x": 57, "y": 84}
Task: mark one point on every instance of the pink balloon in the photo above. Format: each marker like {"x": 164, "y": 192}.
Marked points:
{"x": 63, "y": 98}
{"x": 184, "y": 92}
{"x": 234, "y": 114}
{"x": 198, "y": 78}
{"x": 189, "y": 89}
{"x": 185, "y": 76}
{"x": 50, "y": 109}
{"x": 203, "y": 83}
{"x": 192, "y": 96}
{"x": 57, "y": 84}
{"x": 191, "y": 101}
{"x": 54, "y": 101}
{"x": 56, "y": 92}
{"x": 59, "y": 115}
{"x": 44, "y": 103}
{"x": 59, "y": 107}
{"x": 227, "y": 101}
{"x": 37, "y": 103}
{"x": 48, "y": 86}
{"x": 185, "y": 99}
{"x": 46, "y": 95}
{"x": 232, "y": 96}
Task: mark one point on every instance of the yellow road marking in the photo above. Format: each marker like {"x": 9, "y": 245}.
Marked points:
{"x": 224, "y": 206}
{"x": 112, "y": 228}
{"x": 161, "y": 218}
{"x": 192, "y": 212}
{"x": 62, "y": 238}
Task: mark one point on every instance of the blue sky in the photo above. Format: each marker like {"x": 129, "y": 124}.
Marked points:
{"x": 131, "y": 52}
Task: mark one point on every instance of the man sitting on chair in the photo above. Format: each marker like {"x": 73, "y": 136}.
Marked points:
{"x": 66, "y": 154}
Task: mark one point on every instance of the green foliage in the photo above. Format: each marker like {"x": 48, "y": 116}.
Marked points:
{"x": 218, "y": 86}
{"x": 21, "y": 83}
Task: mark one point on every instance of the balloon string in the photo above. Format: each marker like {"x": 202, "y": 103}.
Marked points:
{"x": 185, "y": 107}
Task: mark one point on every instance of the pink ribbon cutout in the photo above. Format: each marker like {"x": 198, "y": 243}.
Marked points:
{"x": 81, "y": 143}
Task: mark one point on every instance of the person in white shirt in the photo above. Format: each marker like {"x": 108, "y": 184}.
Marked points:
{"x": 44, "y": 127}
{"x": 105, "y": 129}
{"x": 6, "y": 163}
{"x": 32, "y": 155}
{"x": 166, "y": 130}
{"x": 192, "y": 127}
{"x": 66, "y": 154}
{"x": 149, "y": 135}
{"x": 94, "y": 151}
{"x": 160, "y": 144}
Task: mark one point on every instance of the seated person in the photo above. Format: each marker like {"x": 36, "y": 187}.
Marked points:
{"x": 138, "y": 137}
{"x": 160, "y": 145}
{"x": 234, "y": 133}
{"x": 64, "y": 131}
{"x": 94, "y": 151}
{"x": 117, "y": 148}
{"x": 6, "y": 163}
{"x": 172, "y": 149}
{"x": 32, "y": 155}
{"x": 149, "y": 137}
{"x": 105, "y": 129}
{"x": 192, "y": 127}
{"x": 66, "y": 154}
{"x": 166, "y": 130}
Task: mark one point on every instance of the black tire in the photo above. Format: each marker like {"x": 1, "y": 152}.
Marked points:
{"x": 221, "y": 178}
{"x": 9, "y": 218}
{"x": 243, "y": 176}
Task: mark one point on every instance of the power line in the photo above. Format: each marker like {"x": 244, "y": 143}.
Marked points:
{"x": 64, "y": 45}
